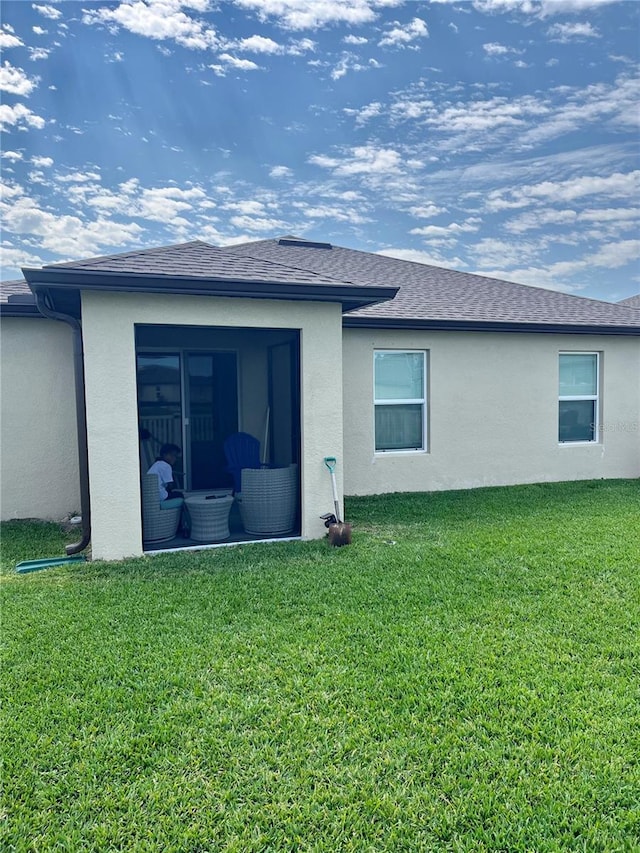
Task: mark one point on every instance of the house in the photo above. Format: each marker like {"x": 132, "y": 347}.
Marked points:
{"x": 416, "y": 378}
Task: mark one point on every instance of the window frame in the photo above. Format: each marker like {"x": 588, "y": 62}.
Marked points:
{"x": 595, "y": 398}
{"x": 422, "y": 401}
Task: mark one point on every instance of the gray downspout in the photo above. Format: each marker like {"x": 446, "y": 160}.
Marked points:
{"x": 43, "y": 303}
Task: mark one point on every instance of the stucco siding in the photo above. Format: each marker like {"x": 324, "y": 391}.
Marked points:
{"x": 39, "y": 455}
{"x": 492, "y": 412}
{"x": 109, "y": 322}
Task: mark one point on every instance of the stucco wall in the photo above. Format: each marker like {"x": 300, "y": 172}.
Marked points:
{"x": 109, "y": 344}
{"x": 38, "y": 442}
{"x": 492, "y": 412}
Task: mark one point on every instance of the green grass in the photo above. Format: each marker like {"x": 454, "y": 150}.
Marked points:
{"x": 464, "y": 676}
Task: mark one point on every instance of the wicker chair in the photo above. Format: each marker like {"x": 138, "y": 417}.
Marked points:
{"x": 268, "y": 502}
{"x": 160, "y": 519}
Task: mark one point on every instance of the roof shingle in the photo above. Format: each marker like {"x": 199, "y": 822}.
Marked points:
{"x": 426, "y": 293}
{"x": 433, "y": 293}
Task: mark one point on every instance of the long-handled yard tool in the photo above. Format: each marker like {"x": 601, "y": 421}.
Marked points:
{"x": 339, "y": 531}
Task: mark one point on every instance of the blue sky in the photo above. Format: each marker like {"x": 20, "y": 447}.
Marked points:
{"x": 491, "y": 136}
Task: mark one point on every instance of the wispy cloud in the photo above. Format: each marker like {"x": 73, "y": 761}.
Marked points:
{"x": 568, "y": 32}
{"x": 361, "y": 160}
{"x": 400, "y": 35}
{"x": 48, "y": 11}
{"x": 618, "y": 185}
{"x": 534, "y": 8}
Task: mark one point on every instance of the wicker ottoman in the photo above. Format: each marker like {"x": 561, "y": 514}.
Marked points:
{"x": 209, "y": 517}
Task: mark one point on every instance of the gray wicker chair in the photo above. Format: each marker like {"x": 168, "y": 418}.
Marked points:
{"x": 268, "y": 502}
{"x": 160, "y": 519}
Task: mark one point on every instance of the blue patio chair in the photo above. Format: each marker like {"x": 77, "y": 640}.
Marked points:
{"x": 242, "y": 451}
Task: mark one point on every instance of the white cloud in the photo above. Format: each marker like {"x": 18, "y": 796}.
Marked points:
{"x": 426, "y": 211}
{"x": 303, "y": 14}
{"x": 407, "y": 109}
{"x": 257, "y": 224}
{"x": 401, "y": 36}
{"x": 615, "y": 255}
{"x": 10, "y": 190}
{"x": 20, "y": 117}
{"x": 420, "y": 257}
{"x": 365, "y": 113}
{"x": 41, "y": 162}
{"x": 495, "y": 49}
{"x": 36, "y": 53}
{"x": 248, "y": 207}
{"x": 14, "y": 258}
{"x": 350, "y": 62}
{"x": 78, "y": 177}
{"x": 39, "y": 31}
{"x": 333, "y": 212}
{"x": 15, "y": 81}
{"x": 8, "y": 38}
{"x": 363, "y": 159}
{"x": 13, "y": 156}
{"x": 258, "y": 44}
{"x": 490, "y": 252}
{"x": 238, "y": 64}
{"x": 66, "y": 235}
{"x": 567, "y": 32}
{"x": 232, "y": 62}
{"x": 355, "y": 40}
{"x": 280, "y": 172}
{"x": 536, "y": 8}
{"x": 161, "y": 20}
{"x": 447, "y": 231}
{"x": 617, "y": 185}
{"x": 540, "y": 218}
{"x": 48, "y": 11}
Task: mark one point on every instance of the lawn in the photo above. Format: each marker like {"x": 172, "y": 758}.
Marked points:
{"x": 464, "y": 676}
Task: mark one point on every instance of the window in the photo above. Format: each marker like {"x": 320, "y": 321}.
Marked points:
{"x": 399, "y": 399}
{"x": 578, "y": 397}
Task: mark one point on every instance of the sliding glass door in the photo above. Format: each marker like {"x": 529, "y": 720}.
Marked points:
{"x": 211, "y": 387}
{"x": 189, "y": 399}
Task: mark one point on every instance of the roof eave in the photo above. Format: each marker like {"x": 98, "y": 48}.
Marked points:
{"x": 434, "y": 325}
{"x": 350, "y": 297}
{"x": 13, "y": 309}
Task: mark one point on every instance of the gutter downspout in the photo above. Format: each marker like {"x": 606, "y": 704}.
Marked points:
{"x": 43, "y": 301}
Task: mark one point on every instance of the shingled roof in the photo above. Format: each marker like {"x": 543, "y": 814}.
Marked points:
{"x": 432, "y": 297}
{"x": 429, "y": 297}
{"x": 198, "y": 259}
{"x": 631, "y": 302}
{"x": 197, "y": 268}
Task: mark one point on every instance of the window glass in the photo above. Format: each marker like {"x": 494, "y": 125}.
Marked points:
{"x": 577, "y": 420}
{"x": 578, "y": 374}
{"x": 399, "y": 427}
{"x": 399, "y": 375}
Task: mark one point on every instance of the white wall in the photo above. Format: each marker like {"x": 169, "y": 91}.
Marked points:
{"x": 38, "y": 439}
{"x": 493, "y": 412}
{"x": 110, "y": 369}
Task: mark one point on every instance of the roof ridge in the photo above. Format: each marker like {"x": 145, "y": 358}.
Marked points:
{"x": 151, "y": 251}
{"x": 297, "y": 268}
